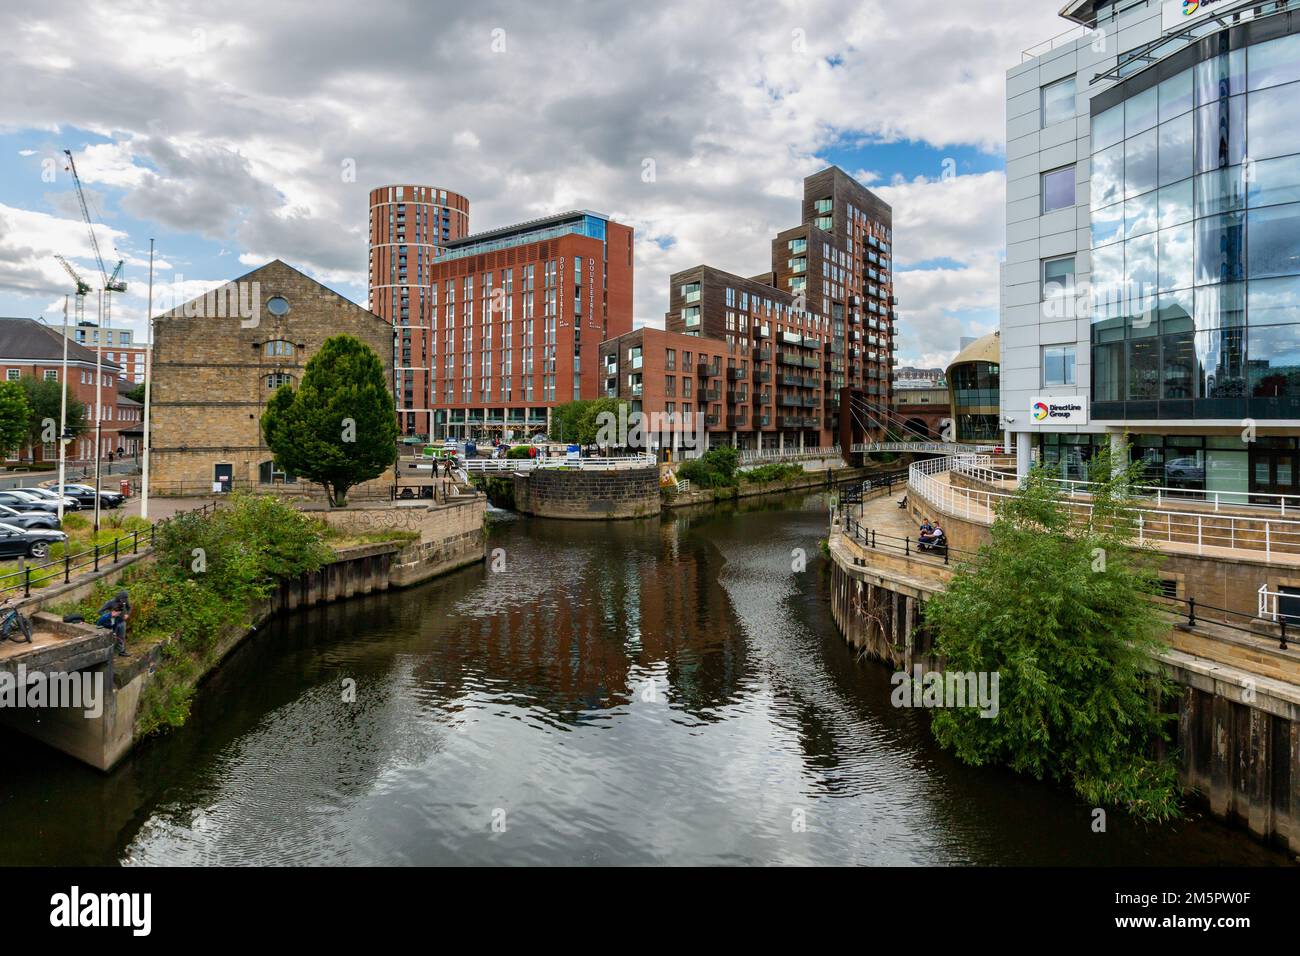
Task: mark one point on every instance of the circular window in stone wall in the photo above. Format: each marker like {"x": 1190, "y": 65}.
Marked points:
{"x": 277, "y": 305}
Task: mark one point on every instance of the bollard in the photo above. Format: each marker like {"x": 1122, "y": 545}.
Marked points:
{"x": 1191, "y": 612}
{"x": 27, "y": 581}
{"x": 67, "y": 565}
{"x": 96, "y": 557}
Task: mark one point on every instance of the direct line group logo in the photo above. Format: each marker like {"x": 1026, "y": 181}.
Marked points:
{"x": 1041, "y": 411}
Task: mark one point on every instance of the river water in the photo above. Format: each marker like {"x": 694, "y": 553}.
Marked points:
{"x": 669, "y": 692}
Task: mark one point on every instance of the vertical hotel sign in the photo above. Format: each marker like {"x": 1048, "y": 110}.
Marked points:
{"x": 1177, "y": 13}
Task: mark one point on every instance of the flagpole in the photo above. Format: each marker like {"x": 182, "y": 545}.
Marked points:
{"x": 99, "y": 400}
{"x": 63, "y": 412}
{"x": 148, "y": 365}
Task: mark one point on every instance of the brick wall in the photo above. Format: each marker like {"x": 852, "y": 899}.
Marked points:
{"x": 210, "y": 374}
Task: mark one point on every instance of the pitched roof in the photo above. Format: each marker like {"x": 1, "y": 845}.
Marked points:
{"x": 270, "y": 270}
{"x": 27, "y": 340}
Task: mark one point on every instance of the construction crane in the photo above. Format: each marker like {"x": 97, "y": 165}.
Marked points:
{"x": 111, "y": 283}
{"x": 82, "y": 286}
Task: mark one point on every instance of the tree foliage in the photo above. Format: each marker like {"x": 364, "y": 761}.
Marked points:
{"x": 579, "y": 422}
{"x": 15, "y": 415}
{"x": 339, "y": 427}
{"x": 714, "y": 469}
{"x": 1058, "y": 605}
{"x": 44, "y": 400}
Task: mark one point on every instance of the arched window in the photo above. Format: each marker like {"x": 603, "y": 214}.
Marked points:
{"x": 276, "y": 379}
{"x": 278, "y": 347}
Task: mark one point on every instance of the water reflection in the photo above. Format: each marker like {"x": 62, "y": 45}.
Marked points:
{"x": 651, "y": 692}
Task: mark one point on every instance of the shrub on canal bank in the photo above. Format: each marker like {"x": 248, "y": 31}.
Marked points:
{"x": 713, "y": 469}
{"x": 209, "y": 572}
{"x": 773, "y": 472}
{"x": 1062, "y": 613}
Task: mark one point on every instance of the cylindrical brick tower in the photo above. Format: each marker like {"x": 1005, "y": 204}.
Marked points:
{"x": 409, "y": 228}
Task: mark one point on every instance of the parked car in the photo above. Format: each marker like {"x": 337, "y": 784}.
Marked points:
{"x": 85, "y": 494}
{"x": 51, "y": 494}
{"x": 21, "y": 501}
{"x": 28, "y": 519}
{"x": 18, "y": 542}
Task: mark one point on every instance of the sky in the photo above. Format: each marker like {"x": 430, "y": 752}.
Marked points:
{"x": 234, "y": 132}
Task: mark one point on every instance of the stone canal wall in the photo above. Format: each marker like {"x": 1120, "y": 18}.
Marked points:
{"x": 588, "y": 495}
{"x": 441, "y": 538}
{"x": 1238, "y": 729}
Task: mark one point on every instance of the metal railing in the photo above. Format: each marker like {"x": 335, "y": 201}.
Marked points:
{"x": 92, "y": 558}
{"x": 1265, "y": 538}
{"x": 767, "y": 455}
{"x": 920, "y": 447}
{"x": 476, "y": 466}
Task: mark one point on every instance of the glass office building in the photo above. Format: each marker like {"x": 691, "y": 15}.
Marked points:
{"x": 1188, "y": 169}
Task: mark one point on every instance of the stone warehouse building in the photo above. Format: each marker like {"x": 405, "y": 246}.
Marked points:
{"x": 219, "y": 358}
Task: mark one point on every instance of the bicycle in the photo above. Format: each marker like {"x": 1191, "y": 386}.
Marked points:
{"x": 14, "y": 625}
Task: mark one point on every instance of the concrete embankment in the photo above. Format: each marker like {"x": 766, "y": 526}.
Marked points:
{"x": 432, "y": 540}
{"x": 1237, "y": 737}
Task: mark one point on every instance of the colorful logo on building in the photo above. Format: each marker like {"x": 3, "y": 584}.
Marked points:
{"x": 1041, "y": 411}
{"x": 1190, "y": 7}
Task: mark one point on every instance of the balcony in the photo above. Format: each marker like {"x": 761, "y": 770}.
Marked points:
{"x": 762, "y": 332}
{"x": 762, "y": 355}
{"x": 762, "y": 421}
{"x": 735, "y": 375}
{"x": 795, "y": 381}
{"x": 763, "y": 376}
{"x": 763, "y": 398}
{"x": 737, "y": 421}
{"x": 812, "y": 361}
{"x": 810, "y": 401}
{"x": 712, "y": 421}
{"x": 711, "y": 395}
{"x": 737, "y": 398}
{"x": 789, "y": 358}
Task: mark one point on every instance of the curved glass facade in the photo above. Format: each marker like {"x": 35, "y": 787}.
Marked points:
{"x": 974, "y": 387}
{"x": 1195, "y": 193}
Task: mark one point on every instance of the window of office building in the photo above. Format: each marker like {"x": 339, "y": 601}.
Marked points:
{"x": 1058, "y": 278}
{"x": 1058, "y": 101}
{"x": 1058, "y": 189}
{"x": 1058, "y": 365}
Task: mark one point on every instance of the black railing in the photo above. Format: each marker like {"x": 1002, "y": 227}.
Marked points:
{"x": 1189, "y": 607}
{"x": 92, "y": 558}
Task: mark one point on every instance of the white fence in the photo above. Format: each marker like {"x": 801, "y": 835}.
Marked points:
{"x": 768, "y": 455}
{"x": 920, "y": 448}
{"x": 481, "y": 466}
{"x": 1264, "y": 538}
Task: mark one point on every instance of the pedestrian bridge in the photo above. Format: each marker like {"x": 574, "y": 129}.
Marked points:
{"x": 922, "y": 448}
{"x": 503, "y": 466}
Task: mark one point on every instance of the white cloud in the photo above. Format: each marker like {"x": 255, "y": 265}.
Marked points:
{"x": 243, "y": 135}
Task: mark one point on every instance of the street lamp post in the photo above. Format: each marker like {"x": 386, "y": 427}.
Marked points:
{"x": 99, "y": 400}
{"x": 63, "y": 412}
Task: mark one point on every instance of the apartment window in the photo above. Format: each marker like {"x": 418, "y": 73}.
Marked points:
{"x": 278, "y": 347}
{"x": 51, "y": 375}
{"x": 1058, "y": 189}
{"x": 1058, "y": 101}
{"x": 276, "y": 379}
{"x": 1058, "y": 365}
{"x": 13, "y": 374}
{"x": 1058, "y": 277}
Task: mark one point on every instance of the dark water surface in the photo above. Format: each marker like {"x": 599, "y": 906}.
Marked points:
{"x": 648, "y": 692}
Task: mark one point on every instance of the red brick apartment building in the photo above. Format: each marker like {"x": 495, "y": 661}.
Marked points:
{"x": 31, "y": 349}
{"x": 410, "y": 227}
{"x": 493, "y": 330}
{"x": 795, "y": 343}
